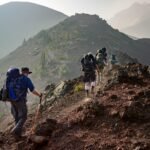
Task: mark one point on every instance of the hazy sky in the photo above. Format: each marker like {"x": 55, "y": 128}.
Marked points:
{"x": 104, "y": 8}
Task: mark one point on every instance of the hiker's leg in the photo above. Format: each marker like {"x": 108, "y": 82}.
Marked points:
{"x": 93, "y": 84}
{"x": 102, "y": 69}
{"x": 93, "y": 81}
{"x": 14, "y": 113}
{"x": 87, "y": 93}
{"x": 100, "y": 74}
{"x": 87, "y": 83}
{"x": 22, "y": 115}
{"x": 87, "y": 88}
{"x": 98, "y": 78}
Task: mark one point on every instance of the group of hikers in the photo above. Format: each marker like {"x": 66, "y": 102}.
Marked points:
{"x": 93, "y": 67}
{"x": 17, "y": 84}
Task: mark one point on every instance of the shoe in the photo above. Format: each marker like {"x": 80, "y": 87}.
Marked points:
{"x": 16, "y": 136}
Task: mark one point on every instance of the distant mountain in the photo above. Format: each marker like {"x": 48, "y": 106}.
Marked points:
{"x": 56, "y": 53}
{"x": 134, "y": 21}
{"x": 21, "y": 20}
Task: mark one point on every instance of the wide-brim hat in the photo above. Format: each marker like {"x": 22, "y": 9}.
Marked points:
{"x": 26, "y": 70}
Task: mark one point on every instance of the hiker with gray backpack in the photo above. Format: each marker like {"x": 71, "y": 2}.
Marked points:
{"x": 15, "y": 91}
{"x": 89, "y": 67}
{"x": 101, "y": 61}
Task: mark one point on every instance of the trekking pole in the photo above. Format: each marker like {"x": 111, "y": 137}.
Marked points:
{"x": 36, "y": 117}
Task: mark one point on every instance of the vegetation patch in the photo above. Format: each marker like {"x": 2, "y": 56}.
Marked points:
{"x": 78, "y": 87}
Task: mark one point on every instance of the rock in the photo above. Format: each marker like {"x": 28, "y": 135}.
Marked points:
{"x": 50, "y": 87}
{"x": 129, "y": 103}
{"x": 59, "y": 90}
{"x": 114, "y": 112}
{"x": 46, "y": 128}
{"x": 137, "y": 148}
{"x": 39, "y": 139}
{"x": 63, "y": 88}
{"x": 122, "y": 114}
{"x": 50, "y": 100}
{"x": 113, "y": 97}
{"x": 129, "y": 98}
{"x": 1, "y": 138}
{"x": 135, "y": 111}
{"x": 20, "y": 145}
{"x": 131, "y": 92}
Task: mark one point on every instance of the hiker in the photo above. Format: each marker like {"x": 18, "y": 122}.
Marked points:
{"x": 101, "y": 61}
{"x": 18, "y": 85}
{"x": 113, "y": 61}
{"x": 89, "y": 67}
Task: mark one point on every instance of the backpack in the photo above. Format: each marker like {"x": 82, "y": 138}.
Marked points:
{"x": 103, "y": 53}
{"x": 100, "y": 59}
{"x": 88, "y": 63}
{"x": 12, "y": 85}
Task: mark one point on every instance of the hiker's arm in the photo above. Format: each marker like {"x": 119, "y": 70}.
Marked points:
{"x": 32, "y": 89}
{"x": 37, "y": 93}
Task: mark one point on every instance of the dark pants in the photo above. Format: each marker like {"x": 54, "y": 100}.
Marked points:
{"x": 89, "y": 76}
{"x": 19, "y": 112}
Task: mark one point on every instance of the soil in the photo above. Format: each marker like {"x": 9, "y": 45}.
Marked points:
{"x": 117, "y": 117}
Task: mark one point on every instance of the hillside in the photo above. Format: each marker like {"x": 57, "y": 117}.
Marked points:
{"x": 133, "y": 23}
{"x": 116, "y": 118}
{"x": 57, "y": 52}
{"x": 21, "y": 20}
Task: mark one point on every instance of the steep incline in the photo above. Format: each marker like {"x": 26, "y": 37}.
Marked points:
{"x": 116, "y": 118}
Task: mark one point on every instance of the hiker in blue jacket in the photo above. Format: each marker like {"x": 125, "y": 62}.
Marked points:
{"x": 19, "y": 107}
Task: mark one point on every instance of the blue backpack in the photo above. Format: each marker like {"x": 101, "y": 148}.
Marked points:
{"x": 12, "y": 87}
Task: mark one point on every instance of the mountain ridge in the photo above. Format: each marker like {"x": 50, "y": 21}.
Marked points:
{"x": 133, "y": 23}
{"x": 23, "y": 20}
{"x": 56, "y": 52}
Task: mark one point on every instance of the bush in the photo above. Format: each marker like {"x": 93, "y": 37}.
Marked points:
{"x": 78, "y": 87}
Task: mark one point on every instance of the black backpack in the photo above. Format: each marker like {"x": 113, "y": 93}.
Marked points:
{"x": 88, "y": 63}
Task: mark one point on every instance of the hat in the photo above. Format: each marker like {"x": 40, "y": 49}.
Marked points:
{"x": 26, "y": 70}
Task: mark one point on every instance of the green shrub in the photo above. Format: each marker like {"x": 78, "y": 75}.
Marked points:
{"x": 79, "y": 87}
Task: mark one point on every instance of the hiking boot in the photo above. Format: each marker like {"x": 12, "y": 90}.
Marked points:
{"x": 16, "y": 136}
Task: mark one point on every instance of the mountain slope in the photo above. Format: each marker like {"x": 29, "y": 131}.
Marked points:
{"x": 56, "y": 52}
{"x": 22, "y": 20}
{"x": 133, "y": 23}
{"x": 118, "y": 117}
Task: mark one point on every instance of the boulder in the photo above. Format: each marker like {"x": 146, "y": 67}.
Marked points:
{"x": 63, "y": 88}
{"x": 46, "y": 128}
{"x": 39, "y": 139}
{"x": 135, "y": 111}
{"x": 114, "y": 112}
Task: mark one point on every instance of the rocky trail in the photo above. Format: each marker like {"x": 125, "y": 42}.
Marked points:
{"x": 117, "y": 118}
